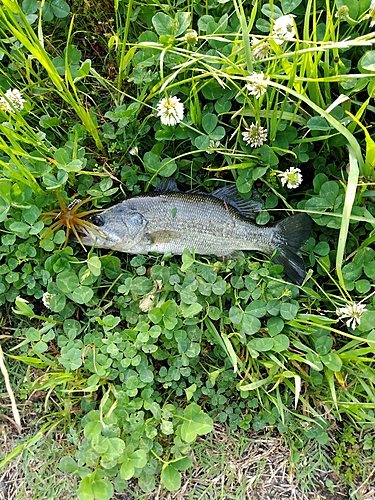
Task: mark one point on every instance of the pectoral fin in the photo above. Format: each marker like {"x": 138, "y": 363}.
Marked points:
{"x": 160, "y": 237}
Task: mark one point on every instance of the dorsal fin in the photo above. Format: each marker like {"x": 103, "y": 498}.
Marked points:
{"x": 247, "y": 208}
{"x": 167, "y": 184}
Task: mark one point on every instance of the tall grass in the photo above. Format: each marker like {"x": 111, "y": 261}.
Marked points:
{"x": 16, "y": 28}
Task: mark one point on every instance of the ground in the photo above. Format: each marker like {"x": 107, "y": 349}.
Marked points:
{"x": 238, "y": 465}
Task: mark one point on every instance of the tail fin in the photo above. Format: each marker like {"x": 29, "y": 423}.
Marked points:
{"x": 291, "y": 234}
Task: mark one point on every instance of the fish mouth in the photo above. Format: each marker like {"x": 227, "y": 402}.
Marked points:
{"x": 90, "y": 234}
{"x": 86, "y": 238}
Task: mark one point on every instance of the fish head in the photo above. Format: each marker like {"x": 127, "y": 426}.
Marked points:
{"x": 117, "y": 228}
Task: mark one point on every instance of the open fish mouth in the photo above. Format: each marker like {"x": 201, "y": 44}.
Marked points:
{"x": 90, "y": 232}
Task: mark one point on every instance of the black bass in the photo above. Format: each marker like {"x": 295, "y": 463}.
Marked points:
{"x": 170, "y": 221}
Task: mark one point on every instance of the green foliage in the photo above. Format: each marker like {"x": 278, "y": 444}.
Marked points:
{"x": 51, "y": 9}
{"x": 148, "y": 351}
{"x": 347, "y": 459}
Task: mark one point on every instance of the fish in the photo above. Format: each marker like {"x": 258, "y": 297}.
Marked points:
{"x": 220, "y": 223}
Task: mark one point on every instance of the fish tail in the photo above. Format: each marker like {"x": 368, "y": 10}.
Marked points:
{"x": 290, "y": 235}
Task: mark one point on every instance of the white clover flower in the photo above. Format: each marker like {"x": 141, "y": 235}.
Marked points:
{"x": 191, "y": 37}
{"x": 260, "y": 50}
{"x": 292, "y": 177}
{"x": 46, "y": 299}
{"x": 213, "y": 145}
{"x": 353, "y": 312}
{"x": 283, "y": 29}
{"x": 255, "y": 136}
{"x": 257, "y": 84}
{"x": 12, "y": 100}
{"x": 147, "y": 302}
{"x": 371, "y": 14}
{"x": 170, "y": 110}
{"x": 342, "y": 12}
{"x": 134, "y": 151}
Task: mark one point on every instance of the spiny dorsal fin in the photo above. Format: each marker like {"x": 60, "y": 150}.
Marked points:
{"x": 247, "y": 208}
{"x": 167, "y": 185}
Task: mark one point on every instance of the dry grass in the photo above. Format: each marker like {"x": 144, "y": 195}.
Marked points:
{"x": 34, "y": 473}
{"x": 240, "y": 466}
{"x": 255, "y": 467}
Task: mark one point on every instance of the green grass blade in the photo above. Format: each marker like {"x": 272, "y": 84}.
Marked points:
{"x": 351, "y": 190}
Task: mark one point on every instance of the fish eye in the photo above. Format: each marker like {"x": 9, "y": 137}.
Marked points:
{"x": 97, "y": 220}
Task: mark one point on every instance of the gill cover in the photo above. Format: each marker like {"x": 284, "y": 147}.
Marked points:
{"x": 122, "y": 228}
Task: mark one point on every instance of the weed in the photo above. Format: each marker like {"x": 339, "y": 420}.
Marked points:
{"x": 135, "y": 357}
